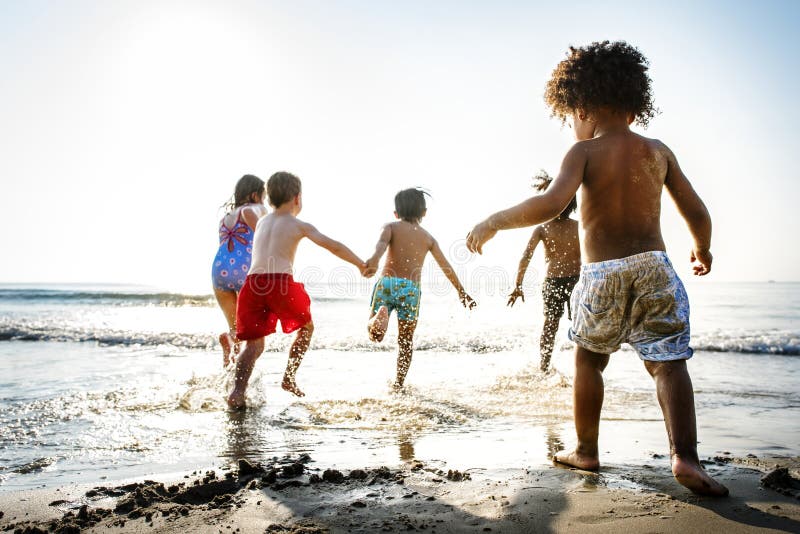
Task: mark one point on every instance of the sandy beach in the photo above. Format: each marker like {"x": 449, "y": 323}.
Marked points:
{"x": 297, "y": 495}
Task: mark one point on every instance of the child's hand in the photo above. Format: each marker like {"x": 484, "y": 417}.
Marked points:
{"x": 365, "y": 270}
{"x": 702, "y": 261}
{"x": 467, "y": 301}
{"x": 517, "y": 293}
{"x": 478, "y": 236}
{"x": 372, "y": 266}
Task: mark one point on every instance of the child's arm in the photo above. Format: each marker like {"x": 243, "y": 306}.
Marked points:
{"x": 380, "y": 248}
{"x": 523, "y": 266}
{"x": 693, "y": 211}
{"x": 451, "y": 275}
{"x": 251, "y": 215}
{"x": 538, "y": 209}
{"x": 333, "y": 246}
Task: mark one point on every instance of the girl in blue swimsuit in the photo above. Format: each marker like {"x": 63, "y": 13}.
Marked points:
{"x": 232, "y": 261}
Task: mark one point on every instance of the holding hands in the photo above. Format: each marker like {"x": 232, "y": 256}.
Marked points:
{"x": 370, "y": 267}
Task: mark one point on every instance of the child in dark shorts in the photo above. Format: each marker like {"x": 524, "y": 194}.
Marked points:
{"x": 562, "y": 254}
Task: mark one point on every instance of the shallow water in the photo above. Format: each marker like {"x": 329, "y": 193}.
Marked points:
{"x": 144, "y": 392}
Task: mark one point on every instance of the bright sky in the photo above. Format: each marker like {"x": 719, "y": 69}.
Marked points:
{"x": 125, "y": 125}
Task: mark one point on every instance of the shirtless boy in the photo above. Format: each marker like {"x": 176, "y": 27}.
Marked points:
{"x": 270, "y": 293}
{"x": 628, "y": 291}
{"x": 399, "y": 286}
{"x": 562, "y": 254}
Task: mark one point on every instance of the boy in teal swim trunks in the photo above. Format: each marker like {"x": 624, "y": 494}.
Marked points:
{"x": 398, "y": 288}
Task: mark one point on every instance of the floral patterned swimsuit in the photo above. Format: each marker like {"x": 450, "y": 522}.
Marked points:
{"x": 232, "y": 261}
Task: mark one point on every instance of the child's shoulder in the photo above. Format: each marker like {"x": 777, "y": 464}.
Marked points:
{"x": 403, "y": 226}
{"x": 554, "y": 225}
{"x": 285, "y": 220}
{"x": 407, "y": 230}
{"x": 652, "y": 141}
{"x": 258, "y": 209}
{"x": 653, "y": 149}
{"x": 629, "y": 142}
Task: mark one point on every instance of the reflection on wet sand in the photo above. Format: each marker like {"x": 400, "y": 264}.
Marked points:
{"x": 242, "y": 435}
{"x": 406, "y": 445}
{"x": 553, "y": 441}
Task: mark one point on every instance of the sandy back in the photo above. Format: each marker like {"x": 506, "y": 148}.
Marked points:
{"x": 620, "y": 199}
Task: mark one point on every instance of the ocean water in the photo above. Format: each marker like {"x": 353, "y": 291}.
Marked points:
{"x": 111, "y": 382}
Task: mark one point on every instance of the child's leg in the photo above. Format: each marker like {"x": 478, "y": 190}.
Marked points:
{"x": 296, "y": 353}
{"x": 676, "y": 397}
{"x": 587, "y": 402}
{"x": 378, "y": 324}
{"x": 547, "y": 339}
{"x": 227, "y": 303}
{"x": 244, "y": 368}
{"x": 405, "y": 347}
{"x": 554, "y": 296}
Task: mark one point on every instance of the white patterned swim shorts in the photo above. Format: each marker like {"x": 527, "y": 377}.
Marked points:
{"x": 637, "y": 300}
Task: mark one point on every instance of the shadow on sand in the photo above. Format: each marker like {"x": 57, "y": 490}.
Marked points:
{"x": 548, "y": 499}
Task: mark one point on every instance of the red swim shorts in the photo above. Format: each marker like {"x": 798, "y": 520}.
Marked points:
{"x": 266, "y": 298}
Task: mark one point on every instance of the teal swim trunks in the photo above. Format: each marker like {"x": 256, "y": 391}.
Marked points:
{"x": 398, "y": 294}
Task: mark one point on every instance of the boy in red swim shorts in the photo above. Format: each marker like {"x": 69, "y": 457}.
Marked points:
{"x": 270, "y": 293}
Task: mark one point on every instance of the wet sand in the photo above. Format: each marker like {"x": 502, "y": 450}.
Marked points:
{"x": 297, "y": 495}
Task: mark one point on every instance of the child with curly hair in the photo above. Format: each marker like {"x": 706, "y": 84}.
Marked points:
{"x": 628, "y": 290}
{"x": 562, "y": 254}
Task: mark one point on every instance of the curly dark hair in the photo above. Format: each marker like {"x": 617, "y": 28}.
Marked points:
{"x": 602, "y": 75}
{"x": 542, "y": 181}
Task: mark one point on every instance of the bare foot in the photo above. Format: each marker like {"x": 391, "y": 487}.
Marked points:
{"x": 227, "y": 344}
{"x": 290, "y": 385}
{"x": 397, "y": 387}
{"x": 694, "y": 477}
{"x": 236, "y": 401}
{"x": 574, "y": 459}
{"x": 378, "y": 325}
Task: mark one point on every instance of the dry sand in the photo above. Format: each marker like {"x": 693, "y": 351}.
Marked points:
{"x": 295, "y": 495}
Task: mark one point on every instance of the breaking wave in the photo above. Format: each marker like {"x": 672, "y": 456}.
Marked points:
{"x": 783, "y": 343}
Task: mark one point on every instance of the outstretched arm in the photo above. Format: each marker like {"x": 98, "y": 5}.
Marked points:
{"x": 333, "y": 246}
{"x": 538, "y": 209}
{"x": 451, "y": 275}
{"x": 536, "y": 237}
{"x": 693, "y": 211}
{"x": 380, "y": 249}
